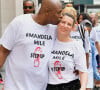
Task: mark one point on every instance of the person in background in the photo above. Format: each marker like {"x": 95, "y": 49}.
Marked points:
{"x": 84, "y": 33}
{"x": 1, "y": 80}
{"x": 94, "y": 18}
{"x": 66, "y": 56}
{"x": 26, "y": 47}
{"x": 82, "y": 16}
{"x": 28, "y": 6}
{"x": 95, "y": 36}
{"x": 93, "y": 51}
{"x": 86, "y": 25}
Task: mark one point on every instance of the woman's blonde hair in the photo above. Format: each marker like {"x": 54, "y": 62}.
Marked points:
{"x": 70, "y": 15}
{"x": 70, "y": 9}
{"x": 69, "y": 5}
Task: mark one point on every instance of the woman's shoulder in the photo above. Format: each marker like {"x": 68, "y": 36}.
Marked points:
{"x": 78, "y": 45}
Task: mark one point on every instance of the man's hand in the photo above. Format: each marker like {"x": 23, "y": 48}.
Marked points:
{"x": 76, "y": 72}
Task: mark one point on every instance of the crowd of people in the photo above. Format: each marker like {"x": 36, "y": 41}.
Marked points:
{"x": 55, "y": 49}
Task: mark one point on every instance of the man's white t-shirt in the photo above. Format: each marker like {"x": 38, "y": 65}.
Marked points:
{"x": 65, "y": 58}
{"x": 98, "y": 32}
{"x": 30, "y": 45}
{"x": 94, "y": 35}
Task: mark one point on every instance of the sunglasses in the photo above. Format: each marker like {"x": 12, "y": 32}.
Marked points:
{"x": 30, "y": 7}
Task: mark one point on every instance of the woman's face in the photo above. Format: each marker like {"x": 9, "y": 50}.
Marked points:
{"x": 80, "y": 19}
{"x": 65, "y": 25}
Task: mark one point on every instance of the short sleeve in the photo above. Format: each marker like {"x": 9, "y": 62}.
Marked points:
{"x": 80, "y": 58}
{"x": 9, "y": 37}
{"x": 93, "y": 35}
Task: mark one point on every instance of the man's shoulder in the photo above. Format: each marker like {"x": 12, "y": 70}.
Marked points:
{"x": 52, "y": 26}
{"x": 22, "y": 17}
{"x": 25, "y": 16}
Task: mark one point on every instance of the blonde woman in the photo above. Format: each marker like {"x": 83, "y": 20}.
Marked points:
{"x": 66, "y": 56}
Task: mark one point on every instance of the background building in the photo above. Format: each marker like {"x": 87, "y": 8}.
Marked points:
{"x": 88, "y": 6}
{"x": 10, "y": 9}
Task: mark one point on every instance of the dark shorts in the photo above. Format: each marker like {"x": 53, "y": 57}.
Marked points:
{"x": 98, "y": 61}
{"x": 73, "y": 85}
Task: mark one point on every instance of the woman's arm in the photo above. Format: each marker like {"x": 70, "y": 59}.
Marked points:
{"x": 83, "y": 80}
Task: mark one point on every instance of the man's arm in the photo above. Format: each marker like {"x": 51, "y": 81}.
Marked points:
{"x": 97, "y": 47}
{"x": 3, "y": 55}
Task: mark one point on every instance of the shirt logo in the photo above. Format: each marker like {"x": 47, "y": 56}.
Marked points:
{"x": 58, "y": 73}
{"x": 37, "y": 60}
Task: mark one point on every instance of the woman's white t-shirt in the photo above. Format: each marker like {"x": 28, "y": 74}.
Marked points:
{"x": 65, "y": 58}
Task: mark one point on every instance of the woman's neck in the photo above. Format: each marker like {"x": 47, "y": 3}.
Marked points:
{"x": 64, "y": 38}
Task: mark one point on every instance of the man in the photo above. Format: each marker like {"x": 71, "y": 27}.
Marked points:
{"x": 95, "y": 34}
{"x": 94, "y": 19}
{"x": 26, "y": 47}
{"x": 28, "y": 6}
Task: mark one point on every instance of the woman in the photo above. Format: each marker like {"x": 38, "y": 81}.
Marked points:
{"x": 66, "y": 56}
{"x": 83, "y": 16}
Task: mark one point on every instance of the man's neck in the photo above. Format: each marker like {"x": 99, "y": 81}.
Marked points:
{"x": 39, "y": 19}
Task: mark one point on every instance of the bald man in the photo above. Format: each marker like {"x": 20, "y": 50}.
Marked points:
{"x": 28, "y": 7}
{"x": 26, "y": 46}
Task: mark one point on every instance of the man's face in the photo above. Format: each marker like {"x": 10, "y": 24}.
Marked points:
{"x": 93, "y": 18}
{"x": 28, "y": 7}
{"x": 55, "y": 14}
